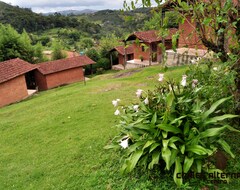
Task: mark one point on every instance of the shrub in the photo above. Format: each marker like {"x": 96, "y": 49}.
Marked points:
{"x": 172, "y": 125}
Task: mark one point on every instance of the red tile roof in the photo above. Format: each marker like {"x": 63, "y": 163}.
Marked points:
{"x": 151, "y": 35}
{"x": 14, "y": 68}
{"x": 64, "y": 64}
{"x": 120, "y": 49}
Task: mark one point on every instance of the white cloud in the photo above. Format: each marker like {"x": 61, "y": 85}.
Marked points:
{"x": 53, "y": 5}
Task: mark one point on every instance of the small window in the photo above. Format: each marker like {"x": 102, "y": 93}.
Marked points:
{"x": 143, "y": 48}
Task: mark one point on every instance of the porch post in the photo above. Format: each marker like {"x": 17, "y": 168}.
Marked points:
{"x": 163, "y": 39}
{"x": 150, "y": 54}
{"x": 111, "y": 60}
{"x": 125, "y": 56}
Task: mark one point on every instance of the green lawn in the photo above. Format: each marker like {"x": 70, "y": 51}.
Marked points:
{"x": 55, "y": 139}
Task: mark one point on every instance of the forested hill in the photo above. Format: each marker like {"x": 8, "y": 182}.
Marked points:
{"x": 101, "y": 21}
{"x": 21, "y": 18}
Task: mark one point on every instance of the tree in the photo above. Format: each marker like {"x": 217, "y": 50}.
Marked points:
{"x": 171, "y": 21}
{"x": 218, "y": 27}
{"x": 13, "y": 44}
{"x": 38, "y": 53}
{"x": 57, "y": 51}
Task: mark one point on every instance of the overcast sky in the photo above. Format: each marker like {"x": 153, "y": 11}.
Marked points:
{"x": 43, "y": 6}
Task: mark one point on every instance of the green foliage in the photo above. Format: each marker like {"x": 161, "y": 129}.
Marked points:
{"x": 15, "y": 45}
{"x": 172, "y": 128}
{"x": 57, "y": 52}
{"x": 154, "y": 23}
{"x": 216, "y": 80}
{"x": 38, "y": 53}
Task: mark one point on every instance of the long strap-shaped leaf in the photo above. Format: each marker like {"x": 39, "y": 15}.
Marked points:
{"x": 169, "y": 128}
{"x": 220, "y": 118}
{"x": 177, "y": 176}
{"x": 214, "y": 107}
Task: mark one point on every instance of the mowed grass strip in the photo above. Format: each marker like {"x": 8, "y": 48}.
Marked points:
{"x": 55, "y": 139}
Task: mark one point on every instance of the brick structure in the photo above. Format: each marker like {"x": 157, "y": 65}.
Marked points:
{"x": 147, "y": 45}
{"x": 13, "y": 84}
{"x": 60, "y": 72}
{"x": 188, "y": 35}
{"x": 121, "y": 53}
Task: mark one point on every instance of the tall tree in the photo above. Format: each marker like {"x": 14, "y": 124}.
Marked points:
{"x": 57, "y": 51}
{"x": 13, "y": 44}
{"x": 218, "y": 27}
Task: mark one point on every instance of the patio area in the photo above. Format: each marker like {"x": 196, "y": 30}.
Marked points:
{"x": 31, "y": 92}
{"x": 135, "y": 63}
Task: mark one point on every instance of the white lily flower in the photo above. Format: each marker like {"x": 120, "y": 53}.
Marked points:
{"x": 135, "y": 107}
{"x": 124, "y": 143}
{"x": 146, "y": 101}
{"x": 194, "y": 82}
{"x": 193, "y": 61}
{"x": 184, "y": 80}
{"x": 115, "y": 103}
{"x": 139, "y": 93}
{"x": 161, "y": 76}
{"x": 117, "y": 112}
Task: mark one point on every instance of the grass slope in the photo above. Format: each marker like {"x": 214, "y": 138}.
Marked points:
{"x": 55, "y": 140}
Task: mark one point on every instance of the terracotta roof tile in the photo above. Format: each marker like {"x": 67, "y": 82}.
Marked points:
{"x": 151, "y": 35}
{"x": 120, "y": 49}
{"x": 64, "y": 64}
{"x": 14, "y": 68}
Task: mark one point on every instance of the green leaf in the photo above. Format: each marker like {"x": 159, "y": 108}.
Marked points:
{"x": 134, "y": 159}
{"x": 165, "y": 143}
{"x": 219, "y": 118}
{"x": 169, "y": 99}
{"x": 174, "y": 139}
{"x": 177, "y": 176}
{"x": 199, "y": 165}
{"x": 187, "y": 164}
{"x": 177, "y": 119}
{"x": 207, "y": 20}
{"x": 226, "y": 147}
{"x": 154, "y": 146}
{"x": 174, "y": 154}
{"x": 155, "y": 159}
{"x": 111, "y": 146}
{"x": 197, "y": 149}
{"x": 164, "y": 134}
{"x": 154, "y": 118}
{"x": 212, "y": 132}
{"x": 166, "y": 155}
{"x": 148, "y": 143}
{"x": 169, "y": 128}
{"x": 171, "y": 144}
{"x": 214, "y": 107}
{"x": 182, "y": 149}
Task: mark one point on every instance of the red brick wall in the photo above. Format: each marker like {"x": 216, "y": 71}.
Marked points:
{"x": 138, "y": 51}
{"x": 13, "y": 90}
{"x": 40, "y": 81}
{"x": 188, "y": 36}
{"x": 120, "y": 59}
{"x": 60, "y": 78}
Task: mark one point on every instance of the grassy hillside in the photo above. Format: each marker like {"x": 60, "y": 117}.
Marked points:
{"x": 55, "y": 139}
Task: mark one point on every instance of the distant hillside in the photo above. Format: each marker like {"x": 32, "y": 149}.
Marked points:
{"x": 73, "y": 12}
{"x": 98, "y": 23}
{"x": 24, "y": 18}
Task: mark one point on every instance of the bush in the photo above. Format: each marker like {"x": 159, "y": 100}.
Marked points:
{"x": 104, "y": 63}
{"x": 174, "y": 126}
